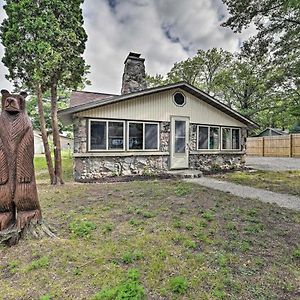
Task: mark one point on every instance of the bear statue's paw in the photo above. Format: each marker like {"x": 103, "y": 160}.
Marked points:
{"x": 25, "y": 217}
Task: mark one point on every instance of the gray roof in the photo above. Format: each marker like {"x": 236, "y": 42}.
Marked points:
{"x": 65, "y": 115}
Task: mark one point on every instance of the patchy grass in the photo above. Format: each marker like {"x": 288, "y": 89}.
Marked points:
{"x": 41, "y": 171}
{"x": 286, "y": 182}
{"x": 155, "y": 240}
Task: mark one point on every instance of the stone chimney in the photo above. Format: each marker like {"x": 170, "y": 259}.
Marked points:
{"x": 134, "y": 76}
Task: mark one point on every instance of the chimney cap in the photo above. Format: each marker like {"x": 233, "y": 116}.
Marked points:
{"x": 134, "y": 56}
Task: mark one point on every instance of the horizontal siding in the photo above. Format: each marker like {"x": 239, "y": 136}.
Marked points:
{"x": 159, "y": 107}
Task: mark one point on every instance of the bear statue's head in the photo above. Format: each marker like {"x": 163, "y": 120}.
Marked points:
{"x": 13, "y": 103}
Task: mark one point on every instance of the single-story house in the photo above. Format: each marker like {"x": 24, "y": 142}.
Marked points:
{"x": 272, "y": 132}
{"x": 153, "y": 130}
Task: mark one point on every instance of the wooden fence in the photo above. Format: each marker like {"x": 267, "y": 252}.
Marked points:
{"x": 281, "y": 145}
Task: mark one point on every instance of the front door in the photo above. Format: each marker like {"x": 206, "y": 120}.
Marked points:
{"x": 179, "y": 143}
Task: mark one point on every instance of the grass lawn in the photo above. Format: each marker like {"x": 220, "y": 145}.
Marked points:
{"x": 286, "y": 182}
{"x": 154, "y": 240}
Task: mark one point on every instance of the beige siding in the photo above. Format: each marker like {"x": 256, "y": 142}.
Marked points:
{"x": 159, "y": 107}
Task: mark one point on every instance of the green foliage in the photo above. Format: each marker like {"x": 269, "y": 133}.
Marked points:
{"x": 130, "y": 289}
{"x": 131, "y": 256}
{"x": 45, "y": 297}
{"x": 50, "y": 45}
{"x": 42, "y": 262}
{"x": 179, "y": 285}
{"x": 32, "y": 110}
{"x": 82, "y": 228}
{"x": 13, "y": 266}
{"x": 296, "y": 253}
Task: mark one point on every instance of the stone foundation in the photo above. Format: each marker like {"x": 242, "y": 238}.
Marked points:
{"x": 94, "y": 168}
{"x": 216, "y": 162}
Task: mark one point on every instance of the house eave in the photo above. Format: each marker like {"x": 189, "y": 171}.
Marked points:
{"x": 66, "y": 115}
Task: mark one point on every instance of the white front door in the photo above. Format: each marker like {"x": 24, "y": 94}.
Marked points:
{"x": 179, "y": 142}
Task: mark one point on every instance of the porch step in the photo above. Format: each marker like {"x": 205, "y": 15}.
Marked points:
{"x": 186, "y": 173}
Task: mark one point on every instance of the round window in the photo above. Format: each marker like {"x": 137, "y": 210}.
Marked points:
{"x": 179, "y": 99}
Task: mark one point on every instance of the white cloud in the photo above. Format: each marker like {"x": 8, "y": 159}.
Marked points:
{"x": 164, "y": 31}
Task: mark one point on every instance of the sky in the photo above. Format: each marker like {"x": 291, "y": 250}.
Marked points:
{"x": 163, "y": 31}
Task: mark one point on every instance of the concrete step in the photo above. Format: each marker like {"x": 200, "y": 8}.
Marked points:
{"x": 186, "y": 173}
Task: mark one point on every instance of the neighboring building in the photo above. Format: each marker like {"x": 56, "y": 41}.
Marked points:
{"x": 65, "y": 142}
{"x": 272, "y": 132}
{"x": 38, "y": 142}
{"x": 147, "y": 131}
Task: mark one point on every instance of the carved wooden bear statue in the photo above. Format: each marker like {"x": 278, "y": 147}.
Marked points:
{"x": 18, "y": 194}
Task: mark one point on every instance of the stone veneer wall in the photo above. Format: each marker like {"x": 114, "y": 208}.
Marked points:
{"x": 93, "y": 167}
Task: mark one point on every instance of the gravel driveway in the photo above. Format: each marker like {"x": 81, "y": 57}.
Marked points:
{"x": 273, "y": 163}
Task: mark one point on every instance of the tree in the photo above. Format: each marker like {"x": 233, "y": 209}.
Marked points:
{"x": 277, "y": 21}
{"x": 249, "y": 81}
{"x": 44, "y": 42}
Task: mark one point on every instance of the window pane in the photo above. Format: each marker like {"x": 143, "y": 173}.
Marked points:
{"x": 180, "y": 136}
{"x": 203, "y": 138}
{"x": 115, "y": 135}
{"x": 98, "y": 135}
{"x": 180, "y": 128}
{"x": 180, "y": 145}
{"x": 151, "y": 136}
{"x": 214, "y": 138}
{"x": 135, "y": 136}
{"x": 235, "y": 139}
{"x": 226, "y": 138}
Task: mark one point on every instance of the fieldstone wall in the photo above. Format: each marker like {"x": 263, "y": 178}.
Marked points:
{"x": 216, "y": 162}
{"x": 93, "y": 168}
{"x": 80, "y": 135}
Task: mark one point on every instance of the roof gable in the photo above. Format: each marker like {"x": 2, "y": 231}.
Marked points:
{"x": 66, "y": 115}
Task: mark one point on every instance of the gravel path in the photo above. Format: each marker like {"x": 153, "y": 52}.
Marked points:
{"x": 282, "y": 200}
{"x": 273, "y": 163}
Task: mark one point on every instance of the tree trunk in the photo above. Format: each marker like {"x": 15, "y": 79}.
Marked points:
{"x": 55, "y": 132}
{"x": 44, "y": 134}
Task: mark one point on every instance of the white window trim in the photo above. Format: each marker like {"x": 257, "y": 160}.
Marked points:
{"x": 106, "y": 133}
{"x": 143, "y": 149}
{"x": 231, "y": 149}
{"x": 208, "y": 141}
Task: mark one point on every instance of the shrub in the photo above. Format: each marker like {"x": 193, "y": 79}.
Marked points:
{"x": 178, "y": 285}
{"x": 82, "y": 228}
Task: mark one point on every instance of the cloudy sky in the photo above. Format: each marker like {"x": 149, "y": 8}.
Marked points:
{"x": 164, "y": 31}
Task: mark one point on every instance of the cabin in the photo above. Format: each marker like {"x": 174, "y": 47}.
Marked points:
{"x": 146, "y": 131}
{"x": 272, "y": 132}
